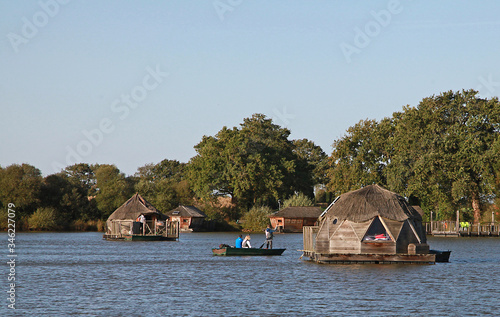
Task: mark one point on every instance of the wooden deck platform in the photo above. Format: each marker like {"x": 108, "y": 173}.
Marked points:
{"x": 450, "y": 229}
{"x": 168, "y": 232}
{"x": 370, "y": 258}
{"x": 139, "y": 237}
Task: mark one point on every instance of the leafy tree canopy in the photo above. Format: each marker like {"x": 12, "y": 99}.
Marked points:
{"x": 253, "y": 164}
{"x": 113, "y": 189}
{"x": 256, "y": 219}
{"x": 298, "y": 200}
{"x": 443, "y": 154}
{"x": 20, "y": 185}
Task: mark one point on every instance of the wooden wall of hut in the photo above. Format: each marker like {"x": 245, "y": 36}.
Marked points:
{"x": 347, "y": 237}
{"x": 344, "y": 240}
{"x": 322, "y": 238}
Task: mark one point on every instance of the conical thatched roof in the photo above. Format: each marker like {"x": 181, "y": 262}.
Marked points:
{"x": 370, "y": 201}
{"x": 133, "y": 208}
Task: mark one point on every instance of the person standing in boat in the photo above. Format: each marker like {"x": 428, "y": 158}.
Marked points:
{"x": 246, "y": 242}
{"x": 269, "y": 236}
{"x": 239, "y": 241}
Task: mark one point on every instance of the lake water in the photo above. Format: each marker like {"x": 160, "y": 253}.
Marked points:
{"x": 67, "y": 274}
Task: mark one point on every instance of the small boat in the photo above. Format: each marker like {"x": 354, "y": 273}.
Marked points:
{"x": 231, "y": 251}
{"x": 441, "y": 256}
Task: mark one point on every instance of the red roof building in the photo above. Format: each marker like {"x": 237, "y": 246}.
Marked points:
{"x": 292, "y": 219}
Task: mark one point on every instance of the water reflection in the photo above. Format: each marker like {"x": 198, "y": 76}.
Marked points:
{"x": 79, "y": 273}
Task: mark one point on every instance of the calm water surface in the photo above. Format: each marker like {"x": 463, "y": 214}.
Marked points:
{"x": 66, "y": 274}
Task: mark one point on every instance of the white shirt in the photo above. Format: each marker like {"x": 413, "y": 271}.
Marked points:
{"x": 246, "y": 244}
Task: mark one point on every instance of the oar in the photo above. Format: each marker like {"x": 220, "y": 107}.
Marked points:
{"x": 263, "y": 244}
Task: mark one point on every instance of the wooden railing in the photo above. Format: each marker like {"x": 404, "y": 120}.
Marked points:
{"x": 172, "y": 229}
{"x": 309, "y": 235}
{"x": 442, "y": 228}
{"x": 452, "y": 228}
{"x": 481, "y": 229}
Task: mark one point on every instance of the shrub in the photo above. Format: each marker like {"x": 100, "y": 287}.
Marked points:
{"x": 298, "y": 200}
{"x": 321, "y": 196}
{"x": 44, "y": 219}
{"x": 256, "y": 219}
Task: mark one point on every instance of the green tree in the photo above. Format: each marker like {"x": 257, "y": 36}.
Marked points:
{"x": 163, "y": 184}
{"x": 20, "y": 185}
{"x": 320, "y": 196}
{"x": 446, "y": 148}
{"x": 256, "y": 219}
{"x": 171, "y": 169}
{"x": 68, "y": 198}
{"x": 113, "y": 189}
{"x": 442, "y": 154}
{"x": 298, "y": 200}
{"x": 165, "y": 198}
{"x": 311, "y": 165}
{"x": 358, "y": 158}
{"x": 252, "y": 164}
{"x": 45, "y": 218}
{"x": 81, "y": 175}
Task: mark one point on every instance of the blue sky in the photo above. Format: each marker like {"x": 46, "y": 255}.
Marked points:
{"x": 135, "y": 82}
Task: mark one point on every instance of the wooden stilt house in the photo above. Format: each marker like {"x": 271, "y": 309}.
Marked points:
{"x": 293, "y": 219}
{"x": 190, "y": 218}
{"x": 125, "y": 222}
{"x": 370, "y": 224}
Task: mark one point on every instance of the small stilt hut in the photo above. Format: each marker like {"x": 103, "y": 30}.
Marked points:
{"x": 125, "y": 222}
{"x": 370, "y": 224}
{"x": 293, "y": 219}
{"x": 190, "y": 218}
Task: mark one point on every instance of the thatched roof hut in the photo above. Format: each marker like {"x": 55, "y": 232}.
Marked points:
{"x": 121, "y": 220}
{"x": 371, "y": 201}
{"x": 133, "y": 208}
{"x": 368, "y": 221}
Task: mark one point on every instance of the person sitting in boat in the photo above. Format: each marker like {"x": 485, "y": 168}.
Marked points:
{"x": 269, "y": 236}
{"x": 246, "y": 242}
{"x": 239, "y": 241}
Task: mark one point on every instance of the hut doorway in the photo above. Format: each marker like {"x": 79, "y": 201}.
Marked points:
{"x": 377, "y": 231}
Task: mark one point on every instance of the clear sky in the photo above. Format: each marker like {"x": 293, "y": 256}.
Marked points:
{"x": 135, "y": 82}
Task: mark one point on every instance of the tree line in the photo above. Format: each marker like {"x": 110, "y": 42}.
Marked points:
{"x": 238, "y": 168}
{"x": 443, "y": 155}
